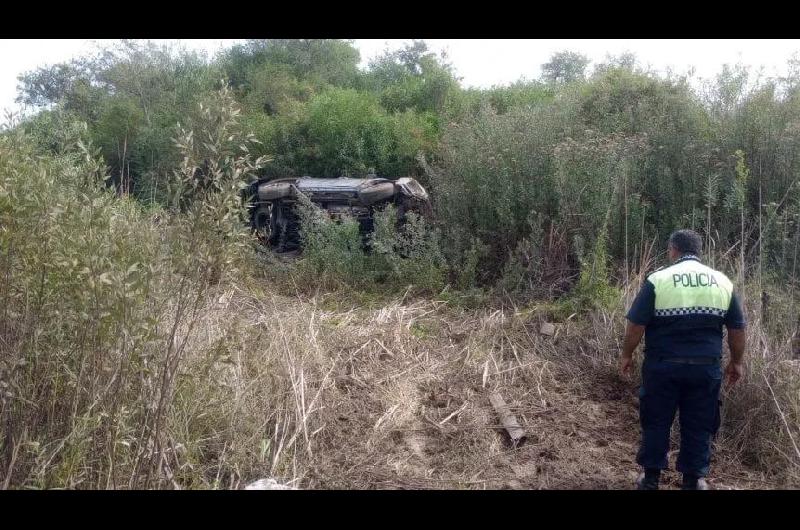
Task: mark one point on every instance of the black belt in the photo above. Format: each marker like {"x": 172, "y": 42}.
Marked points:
{"x": 691, "y": 360}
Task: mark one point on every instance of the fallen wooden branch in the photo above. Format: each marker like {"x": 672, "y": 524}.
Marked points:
{"x": 459, "y": 411}
{"x": 509, "y": 421}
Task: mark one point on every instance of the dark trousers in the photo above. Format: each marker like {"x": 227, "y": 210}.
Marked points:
{"x": 692, "y": 389}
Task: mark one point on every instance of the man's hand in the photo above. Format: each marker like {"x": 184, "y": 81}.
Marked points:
{"x": 633, "y": 334}
{"x": 733, "y": 372}
{"x": 735, "y": 369}
{"x": 625, "y": 365}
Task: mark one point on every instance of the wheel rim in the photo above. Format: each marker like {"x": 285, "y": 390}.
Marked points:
{"x": 261, "y": 222}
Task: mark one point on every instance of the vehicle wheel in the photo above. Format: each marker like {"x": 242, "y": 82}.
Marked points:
{"x": 278, "y": 220}
{"x": 262, "y": 222}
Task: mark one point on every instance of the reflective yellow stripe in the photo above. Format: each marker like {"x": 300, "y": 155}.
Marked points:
{"x": 691, "y": 287}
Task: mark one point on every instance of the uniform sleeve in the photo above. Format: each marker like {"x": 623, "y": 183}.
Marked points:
{"x": 643, "y": 306}
{"x": 734, "y": 318}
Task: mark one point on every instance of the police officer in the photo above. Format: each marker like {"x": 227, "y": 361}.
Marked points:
{"x": 681, "y": 310}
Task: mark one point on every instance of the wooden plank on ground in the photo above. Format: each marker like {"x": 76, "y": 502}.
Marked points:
{"x": 515, "y": 432}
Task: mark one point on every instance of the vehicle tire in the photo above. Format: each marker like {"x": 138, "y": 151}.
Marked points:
{"x": 262, "y": 221}
{"x": 280, "y": 226}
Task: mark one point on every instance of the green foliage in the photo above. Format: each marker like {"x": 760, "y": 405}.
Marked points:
{"x": 392, "y": 258}
{"x": 333, "y": 251}
{"x": 523, "y": 270}
{"x": 412, "y": 78}
{"x": 742, "y": 175}
{"x": 524, "y": 94}
{"x": 410, "y": 254}
{"x": 507, "y": 173}
{"x": 565, "y": 67}
{"x": 271, "y": 87}
{"x": 100, "y": 299}
{"x": 622, "y": 149}
{"x": 131, "y": 96}
{"x": 591, "y": 174}
{"x": 594, "y": 289}
{"x": 345, "y": 132}
{"x": 320, "y": 61}
{"x": 305, "y": 100}
{"x": 59, "y": 83}
{"x": 55, "y": 131}
{"x": 349, "y": 131}
{"x": 216, "y": 166}
{"x": 77, "y": 251}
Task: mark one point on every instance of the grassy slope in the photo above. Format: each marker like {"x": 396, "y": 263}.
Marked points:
{"x": 396, "y": 396}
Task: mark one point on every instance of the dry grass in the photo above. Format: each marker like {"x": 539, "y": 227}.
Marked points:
{"x": 318, "y": 394}
{"x": 397, "y": 397}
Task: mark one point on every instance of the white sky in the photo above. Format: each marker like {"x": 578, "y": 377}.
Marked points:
{"x": 479, "y": 62}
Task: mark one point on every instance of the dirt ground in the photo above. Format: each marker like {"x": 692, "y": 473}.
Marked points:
{"x": 409, "y": 407}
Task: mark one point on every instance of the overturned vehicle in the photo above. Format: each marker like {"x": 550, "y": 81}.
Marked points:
{"x": 273, "y": 214}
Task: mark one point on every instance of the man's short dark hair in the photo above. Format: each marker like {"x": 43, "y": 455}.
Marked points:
{"x": 686, "y": 242}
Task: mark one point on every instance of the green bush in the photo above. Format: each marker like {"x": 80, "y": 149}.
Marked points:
{"x": 409, "y": 255}
{"x": 594, "y": 290}
{"x": 332, "y": 251}
{"x": 101, "y": 298}
{"x": 493, "y": 171}
{"x": 523, "y": 270}
{"x": 335, "y": 253}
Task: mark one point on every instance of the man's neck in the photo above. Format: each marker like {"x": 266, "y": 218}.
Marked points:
{"x": 684, "y": 257}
